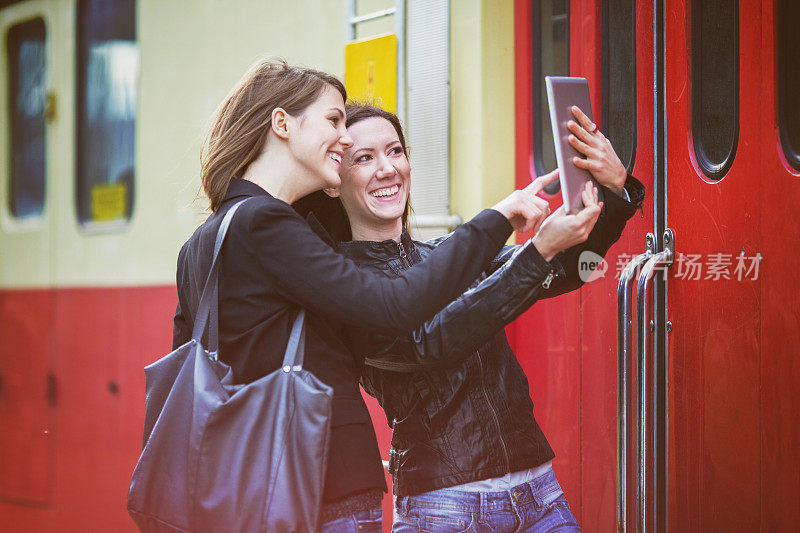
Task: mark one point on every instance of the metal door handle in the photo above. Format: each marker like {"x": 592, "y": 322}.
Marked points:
{"x": 664, "y": 258}
{"x": 624, "y": 349}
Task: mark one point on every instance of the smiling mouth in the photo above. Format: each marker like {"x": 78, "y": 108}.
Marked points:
{"x": 337, "y": 158}
{"x": 385, "y": 192}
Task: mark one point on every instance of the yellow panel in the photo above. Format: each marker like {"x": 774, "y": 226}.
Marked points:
{"x": 370, "y": 70}
{"x": 109, "y": 202}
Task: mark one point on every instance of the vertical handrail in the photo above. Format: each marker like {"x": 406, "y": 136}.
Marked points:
{"x": 664, "y": 258}
{"x": 624, "y": 349}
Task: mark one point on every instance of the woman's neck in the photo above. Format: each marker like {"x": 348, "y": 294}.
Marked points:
{"x": 279, "y": 175}
{"x": 390, "y": 230}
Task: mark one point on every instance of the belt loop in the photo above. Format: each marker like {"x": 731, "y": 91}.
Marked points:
{"x": 482, "y": 508}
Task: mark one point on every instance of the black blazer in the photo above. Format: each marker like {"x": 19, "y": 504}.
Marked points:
{"x": 273, "y": 264}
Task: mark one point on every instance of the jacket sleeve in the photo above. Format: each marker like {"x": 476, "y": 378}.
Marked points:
{"x": 620, "y": 207}
{"x": 181, "y": 324}
{"x": 310, "y": 273}
{"x": 466, "y": 323}
{"x": 608, "y": 229}
{"x": 519, "y": 281}
{"x": 506, "y": 252}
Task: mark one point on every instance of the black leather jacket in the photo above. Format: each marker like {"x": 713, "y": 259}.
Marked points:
{"x": 472, "y": 421}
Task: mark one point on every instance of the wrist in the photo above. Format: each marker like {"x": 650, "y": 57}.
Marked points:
{"x": 543, "y": 248}
{"x": 619, "y": 184}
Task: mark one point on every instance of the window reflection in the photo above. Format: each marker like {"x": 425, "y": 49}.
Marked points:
{"x": 618, "y": 102}
{"x": 715, "y": 84}
{"x": 27, "y": 92}
{"x": 550, "y": 29}
{"x": 108, "y": 72}
{"x": 788, "y": 57}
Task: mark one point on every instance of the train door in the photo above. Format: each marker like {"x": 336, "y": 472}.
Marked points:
{"x": 27, "y": 355}
{"x": 730, "y": 171}
{"x": 715, "y": 442}
{"x": 566, "y": 345}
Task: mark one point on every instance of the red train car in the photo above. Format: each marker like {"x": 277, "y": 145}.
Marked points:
{"x": 713, "y": 134}
{"x": 699, "y": 99}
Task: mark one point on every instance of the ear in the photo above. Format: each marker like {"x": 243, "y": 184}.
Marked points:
{"x": 333, "y": 192}
{"x": 280, "y": 120}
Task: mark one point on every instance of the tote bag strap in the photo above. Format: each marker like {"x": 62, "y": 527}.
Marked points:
{"x": 296, "y": 348}
{"x": 209, "y": 301}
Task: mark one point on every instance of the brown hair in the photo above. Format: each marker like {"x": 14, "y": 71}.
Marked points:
{"x": 330, "y": 212}
{"x": 357, "y": 111}
{"x": 243, "y": 120}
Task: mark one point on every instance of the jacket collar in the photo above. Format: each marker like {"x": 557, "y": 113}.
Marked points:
{"x": 377, "y": 250}
{"x": 240, "y": 187}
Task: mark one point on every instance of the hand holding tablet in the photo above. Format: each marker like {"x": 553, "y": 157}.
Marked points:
{"x": 562, "y": 94}
{"x": 583, "y": 154}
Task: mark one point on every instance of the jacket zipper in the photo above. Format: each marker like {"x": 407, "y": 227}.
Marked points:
{"x": 494, "y": 414}
{"x": 505, "y": 314}
{"x": 403, "y": 255}
{"x": 549, "y": 279}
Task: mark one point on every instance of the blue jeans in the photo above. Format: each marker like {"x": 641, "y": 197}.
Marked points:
{"x": 363, "y": 522}
{"x": 538, "y": 505}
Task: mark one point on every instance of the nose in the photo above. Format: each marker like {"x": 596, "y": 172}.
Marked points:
{"x": 385, "y": 168}
{"x": 344, "y": 139}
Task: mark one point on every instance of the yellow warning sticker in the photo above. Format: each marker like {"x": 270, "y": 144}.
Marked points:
{"x": 370, "y": 70}
{"x": 109, "y": 202}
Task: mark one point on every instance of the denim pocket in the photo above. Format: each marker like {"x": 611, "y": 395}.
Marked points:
{"x": 547, "y": 491}
{"x": 370, "y": 521}
{"x": 436, "y": 522}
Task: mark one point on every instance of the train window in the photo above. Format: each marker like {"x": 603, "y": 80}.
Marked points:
{"x": 27, "y": 91}
{"x": 550, "y": 29}
{"x": 618, "y": 65}
{"x": 108, "y": 65}
{"x": 715, "y": 84}
{"x": 787, "y": 15}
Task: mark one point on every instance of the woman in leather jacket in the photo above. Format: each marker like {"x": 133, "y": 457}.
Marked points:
{"x": 278, "y": 136}
{"x": 467, "y": 453}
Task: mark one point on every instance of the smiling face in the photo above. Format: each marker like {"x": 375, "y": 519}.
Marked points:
{"x": 375, "y": 176}
{"x": 319, "y": 138}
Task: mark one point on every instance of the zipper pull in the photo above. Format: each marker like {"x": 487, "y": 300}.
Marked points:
{"x": 403, "y": 255}
{"x": 548, "y": 279}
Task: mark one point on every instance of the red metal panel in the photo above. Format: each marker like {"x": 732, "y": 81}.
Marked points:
{"x": 598, "y": 308}
{"x": 714, "y": 418}
{"x": 384, "y": 434}
{"x": 104, "y": 338}
{"x": 779, "y": 193}
{"x": 546, "y": 338}
{"x": 25, "y": 360}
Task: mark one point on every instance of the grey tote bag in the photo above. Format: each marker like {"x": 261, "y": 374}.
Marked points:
{"x": 220, "y": 457}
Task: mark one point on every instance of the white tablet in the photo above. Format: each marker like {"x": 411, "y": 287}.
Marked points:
{"x": 562, "y": 94}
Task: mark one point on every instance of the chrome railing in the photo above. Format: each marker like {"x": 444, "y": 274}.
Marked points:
{"x": 647, "y": 264}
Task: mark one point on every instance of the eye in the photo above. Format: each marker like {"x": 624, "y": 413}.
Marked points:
{"x": 335, "y": 119}
{"x": 363, "y": 158}
{"x": 396, "y": 150}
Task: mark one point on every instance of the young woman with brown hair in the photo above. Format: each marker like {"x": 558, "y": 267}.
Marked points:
{"x": 467, "y": 453}
{"x": 278, "y": 136}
